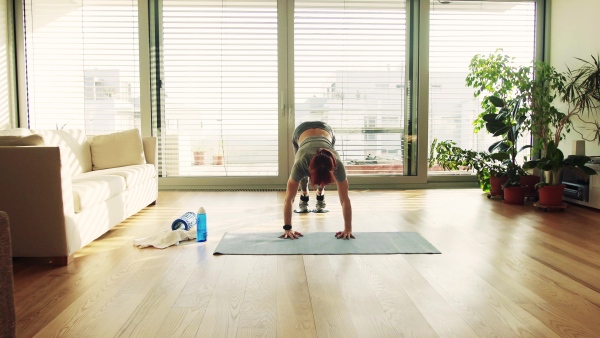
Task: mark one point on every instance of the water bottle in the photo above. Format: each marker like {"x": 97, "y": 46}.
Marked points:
{"x": 201, "y": 225}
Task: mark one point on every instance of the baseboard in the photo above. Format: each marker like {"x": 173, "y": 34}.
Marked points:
{"x": 55, "y": 261}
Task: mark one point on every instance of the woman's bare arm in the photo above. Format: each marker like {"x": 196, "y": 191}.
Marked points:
{"x": 343, "y": 188}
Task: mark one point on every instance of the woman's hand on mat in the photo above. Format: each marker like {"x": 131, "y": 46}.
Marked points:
{"x": 344, "y": 234}
{"x": 291, "y": 234}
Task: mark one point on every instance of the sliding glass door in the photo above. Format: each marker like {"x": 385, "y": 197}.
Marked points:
{"x": 458, "y": 31}
{"x": 225, "y": 111}
{"x": 220, "y": 88}
{"x": 350, "y": 71}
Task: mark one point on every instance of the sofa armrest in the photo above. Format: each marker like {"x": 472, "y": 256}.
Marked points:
{"x": 151, "y": 150}
{"x": 36, "y": 191}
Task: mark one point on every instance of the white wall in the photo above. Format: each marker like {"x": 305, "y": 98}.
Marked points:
{"x": 574, "y": 32}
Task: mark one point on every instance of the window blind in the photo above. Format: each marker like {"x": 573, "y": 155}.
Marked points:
{"x": 349, "y": 70}
{"x": 82, "y": 64}
{"x": 221, "y": 87}
{"x": 458, "y": 31}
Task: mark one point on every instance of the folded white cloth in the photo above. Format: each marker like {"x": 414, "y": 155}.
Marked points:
{"x": 165, "y": 238}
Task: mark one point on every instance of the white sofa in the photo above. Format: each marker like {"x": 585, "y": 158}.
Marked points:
{"x": 63, "y": 194}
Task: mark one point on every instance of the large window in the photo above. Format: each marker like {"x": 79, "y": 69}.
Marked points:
{"x": 233, "y": 78}
{"x": 82, "y": 64}
{"x": 458, "y": 31}
{"x": 349, "y": 70}
{"x": 221, "y": 89}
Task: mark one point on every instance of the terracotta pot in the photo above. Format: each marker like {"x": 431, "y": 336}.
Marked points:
{"x": 529, "y": 182}
{"x": 218, "y": 159}
{"x": 514, "y": 195}
{"x": 496, "y": 185}
{"x": 551, "y": 194}
{"x": 198, "y": 157}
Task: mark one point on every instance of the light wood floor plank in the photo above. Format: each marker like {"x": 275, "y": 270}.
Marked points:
{"x": 295, "y": 316}
{"x": 365, "y": 309}
{"x": 412, "y": 305}
{"x": 332, "y": 318}
{"x": 258, "y": 316}
{"x": 149, "y": 314}
{"x": 222, "y": 314}
{"x": 184, "y": 318}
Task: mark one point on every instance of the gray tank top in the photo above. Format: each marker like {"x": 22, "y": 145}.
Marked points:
{"x": 308, "y": 148}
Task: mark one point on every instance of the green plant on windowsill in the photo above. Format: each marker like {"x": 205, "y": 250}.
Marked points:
{"x": 451, "y": 157}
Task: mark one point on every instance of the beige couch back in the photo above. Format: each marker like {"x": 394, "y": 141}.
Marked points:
{"x": 75, "y": 149}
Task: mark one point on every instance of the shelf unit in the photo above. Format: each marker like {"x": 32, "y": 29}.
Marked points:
{"x": 594, "y": 189}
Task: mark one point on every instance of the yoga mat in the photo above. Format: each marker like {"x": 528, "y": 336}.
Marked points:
{"x": 324, "y": 243}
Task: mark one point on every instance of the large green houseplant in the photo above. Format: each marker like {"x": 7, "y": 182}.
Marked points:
{"x": 582, "y": 96}
{"x": 553, "y": 163}
{"x": 508, "y": 123}
{"x": 578, "y": 89}
{"x": 547, "y": 85}
{"x": 497, "y": 75}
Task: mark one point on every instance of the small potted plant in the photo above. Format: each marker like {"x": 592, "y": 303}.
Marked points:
{"x": 553, "y": 163}
{"x": 199, "y": 151}
{"x": 218, "y": 155}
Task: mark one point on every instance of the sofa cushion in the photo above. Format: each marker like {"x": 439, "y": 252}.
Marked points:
{"x": 133, "y": 174}
{"x": 73, "y": 147}
{"x": 89, "y": 190}
{"x": 15, "y": 132}
{"x": 117, "y": 150}
{"x": 30, "y": 140}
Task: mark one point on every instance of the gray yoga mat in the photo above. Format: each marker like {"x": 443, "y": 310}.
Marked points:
{"x": 324, "y": 243}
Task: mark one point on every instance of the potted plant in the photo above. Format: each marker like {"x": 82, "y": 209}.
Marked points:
{"x": 448, "y": 156}
{"x": 553, "y": 163}
{"x": 581, "y": 93}
{"x": 496, "y": 75}
{"x": 218, "y": 155}
{"x": 199, "y": 151}
{"x": 579, "y": 89}
{"x": 508, "y": 123}
{"x": 546, "y": 86}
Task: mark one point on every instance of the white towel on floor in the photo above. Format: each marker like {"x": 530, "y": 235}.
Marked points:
{"x": 165, "y": 238}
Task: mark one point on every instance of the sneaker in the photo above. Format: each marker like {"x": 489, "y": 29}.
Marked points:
{"x": 303, "y": 205}
{"x": 320, "y": 203}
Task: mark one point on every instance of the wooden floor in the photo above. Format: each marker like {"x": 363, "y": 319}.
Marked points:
{"x": 504, "y": 271}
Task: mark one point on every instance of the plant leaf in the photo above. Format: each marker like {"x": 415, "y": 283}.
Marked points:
{"x": 496, "y": 101}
